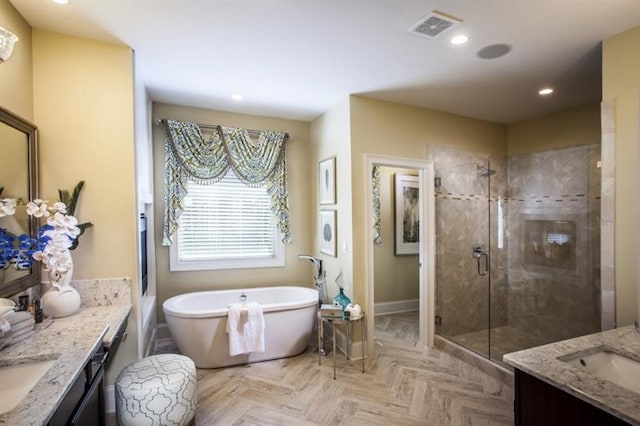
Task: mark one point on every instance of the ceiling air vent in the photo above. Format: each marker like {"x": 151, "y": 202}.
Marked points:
{"x": 433, "y": 24}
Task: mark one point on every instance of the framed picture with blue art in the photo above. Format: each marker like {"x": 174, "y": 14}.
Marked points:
{"x": 407, "y": 214}
{"x": 327, "y": 180}
{"x": 328, "y": 238}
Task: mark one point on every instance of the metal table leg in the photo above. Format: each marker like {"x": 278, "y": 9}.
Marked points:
{"x": 320, "y": 330}
{"x": 334, "y": 349}
{"x": 349, "y": 340}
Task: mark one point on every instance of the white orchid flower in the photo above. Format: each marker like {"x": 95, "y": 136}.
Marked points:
{"x": 71, "y": 223}
{"x": 37, "y": 208}
{"x": 57, "y": 221}
{"x": 39, "y": 256}
{"x": 55, "y": 256}
{"x": 7, "y": 207}
{"x": 60, "y": 263}
{"x": 64, "y": 224}
{"x": 73, "y": 232}
{"x": 59, "y": 242}
{"x": 58, "y": 206}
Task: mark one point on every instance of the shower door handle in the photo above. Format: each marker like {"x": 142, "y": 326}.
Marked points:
{"x": 479, "y": 253}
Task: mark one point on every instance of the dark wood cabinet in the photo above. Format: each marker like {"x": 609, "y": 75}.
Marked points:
{"x": 83, "y": 405}
{"x": 90, "y": 410}
{"x": 541, "y": 404}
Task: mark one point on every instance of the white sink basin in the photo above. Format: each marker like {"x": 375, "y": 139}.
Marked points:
{"x": 17, "y": 380}
{"x": 612, "y": 367}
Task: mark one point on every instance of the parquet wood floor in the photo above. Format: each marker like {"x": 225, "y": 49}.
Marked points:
{"x": 402, "y": 385}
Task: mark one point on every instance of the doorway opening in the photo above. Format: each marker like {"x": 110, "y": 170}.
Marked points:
{"x": 424, "y": 247}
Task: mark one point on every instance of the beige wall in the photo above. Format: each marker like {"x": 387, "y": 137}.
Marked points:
{"x": 571, "y": 127}
{"x": 621, "y": 82}
{"x": 16, "y": 95}
{"x": 396, "y": 277}
{"x": 330, "y": 137}
{"x": 384, "y": 128}
{"x": 295, "y": 272}
{"x": 84, "y": 110}
{"x": 83, "y": 106}
{"x": 16, "y": 74}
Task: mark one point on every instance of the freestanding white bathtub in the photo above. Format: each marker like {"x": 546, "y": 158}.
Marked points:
{"x": 198, "y": 322}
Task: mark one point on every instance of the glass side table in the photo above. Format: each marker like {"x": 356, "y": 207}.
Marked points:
{"x": 335, "y": 320}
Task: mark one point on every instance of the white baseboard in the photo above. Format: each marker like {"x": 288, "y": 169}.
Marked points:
{"x": 396, "y": 307}
{"x": 356, "y": 350}
{"x": 110, "y": 399}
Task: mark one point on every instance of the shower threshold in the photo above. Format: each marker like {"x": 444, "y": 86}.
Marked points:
{"x": 498, "y": 370}
{"x": 504, "y": 339}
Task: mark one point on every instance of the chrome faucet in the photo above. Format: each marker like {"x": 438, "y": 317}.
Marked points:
{"x": 319, "y": 279}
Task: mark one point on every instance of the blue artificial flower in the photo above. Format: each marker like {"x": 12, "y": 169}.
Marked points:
{"x": 25, "y": 242}
{"x": 19, "y": 257}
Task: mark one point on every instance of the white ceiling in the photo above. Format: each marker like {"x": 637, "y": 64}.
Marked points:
{"x": 298, "y": 58}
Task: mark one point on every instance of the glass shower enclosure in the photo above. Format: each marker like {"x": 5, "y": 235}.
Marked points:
{"x": 517, "y": 247}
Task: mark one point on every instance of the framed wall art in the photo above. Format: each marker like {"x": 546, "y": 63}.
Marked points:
{"x": 328, "y": 238}
{"x": 407, "y": 214}
{"x": 327, "y": 179}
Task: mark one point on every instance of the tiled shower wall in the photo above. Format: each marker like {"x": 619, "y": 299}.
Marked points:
{"x": 547, "y": 296}
{"x": 607, "y": 260}
{"x": 554, "y": 233}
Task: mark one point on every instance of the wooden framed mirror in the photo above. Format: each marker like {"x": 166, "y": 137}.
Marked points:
{"x": 19, "y": 179}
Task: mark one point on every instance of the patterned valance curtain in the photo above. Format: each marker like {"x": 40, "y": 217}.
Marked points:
{"x": 375, "y": 208}
{"x": 256, "y": 162}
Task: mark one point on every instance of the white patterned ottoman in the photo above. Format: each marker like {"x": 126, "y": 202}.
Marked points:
{"x": 159, "y": 390}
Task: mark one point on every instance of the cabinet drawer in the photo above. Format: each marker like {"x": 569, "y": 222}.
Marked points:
{"x": 69, "y": 403}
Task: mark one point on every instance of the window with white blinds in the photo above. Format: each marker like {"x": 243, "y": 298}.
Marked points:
{"x": 226, "y": 225}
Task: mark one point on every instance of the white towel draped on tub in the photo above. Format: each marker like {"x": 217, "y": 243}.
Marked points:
{"x": 245, "y": 326}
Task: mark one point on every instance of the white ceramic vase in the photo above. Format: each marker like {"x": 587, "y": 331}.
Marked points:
{"x": 61, "y": 300}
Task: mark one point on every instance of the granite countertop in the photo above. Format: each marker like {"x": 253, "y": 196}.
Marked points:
{"x": 542, "y": 362}
{"x": 70, "y": 342}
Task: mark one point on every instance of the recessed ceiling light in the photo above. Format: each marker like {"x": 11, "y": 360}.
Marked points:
{"x": 460, "y": 39}
{"x": 236, "y": 97}
{"x": 61, "y": 1}
{"x": 545, "y": 91}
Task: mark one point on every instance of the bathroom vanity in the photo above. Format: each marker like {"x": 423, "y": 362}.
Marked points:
{"x": 76, "y": 349}
{"x": 589, "y": 380}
